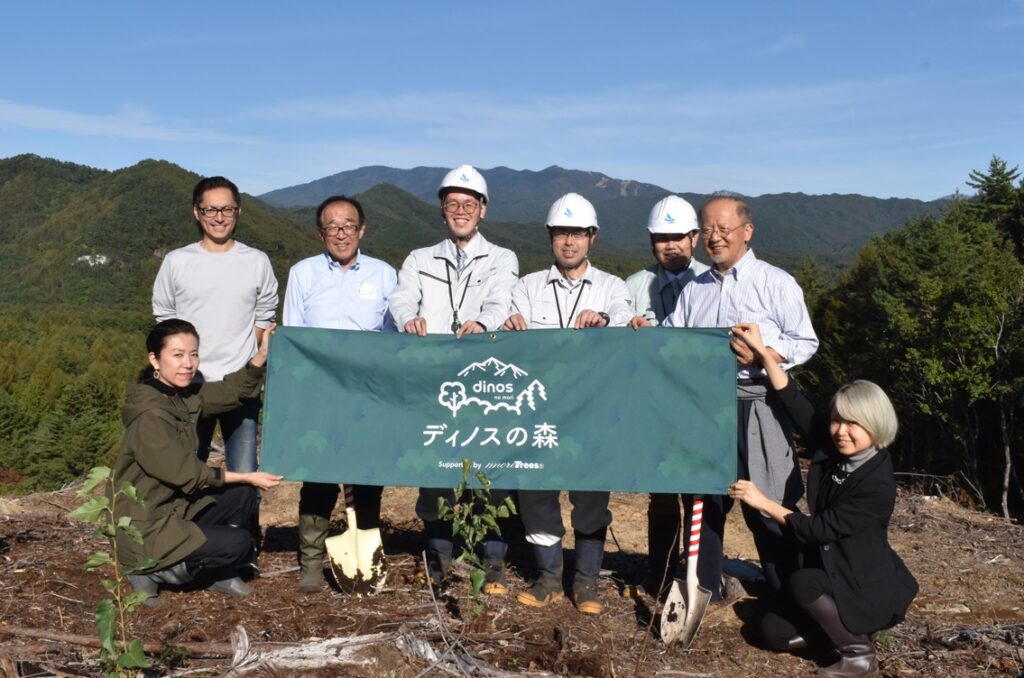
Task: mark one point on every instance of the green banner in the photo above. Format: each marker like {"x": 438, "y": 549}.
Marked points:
{"x": 652, "y": 410}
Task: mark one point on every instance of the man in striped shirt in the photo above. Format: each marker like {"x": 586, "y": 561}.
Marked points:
{"x": 742, "y": 288}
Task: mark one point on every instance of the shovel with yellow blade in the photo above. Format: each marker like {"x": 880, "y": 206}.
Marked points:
{"x": 357, "y": 556}
{"x": 682, "y": 614}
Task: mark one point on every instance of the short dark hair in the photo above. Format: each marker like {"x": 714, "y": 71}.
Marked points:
{"x": 339, "y": 198}
{"x": 157, "y": 337}
{"x": 210, "y": 183}
{"x": 742, "y": 208}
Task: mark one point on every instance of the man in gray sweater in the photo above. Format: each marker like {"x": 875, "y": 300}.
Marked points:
{"x": 229, "y": 292}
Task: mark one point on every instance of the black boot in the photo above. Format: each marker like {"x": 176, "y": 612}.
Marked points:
{"x": 857, "y": 652}
{"x": 439, "y": 550}
{"x": 589, "y": 554}
{"x": 548, "y": 587}
{"x": 495, "y": 583}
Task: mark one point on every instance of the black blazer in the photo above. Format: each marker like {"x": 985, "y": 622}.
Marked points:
{"x": 849, "y": 526}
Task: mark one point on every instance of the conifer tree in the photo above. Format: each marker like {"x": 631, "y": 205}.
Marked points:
{"x": 998, "y": 200}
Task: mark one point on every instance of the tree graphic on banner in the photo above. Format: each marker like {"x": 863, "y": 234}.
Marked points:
{"x": 452, "y": 396}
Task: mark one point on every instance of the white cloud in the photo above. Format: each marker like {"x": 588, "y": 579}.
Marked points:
{"x": 129, "y": 122}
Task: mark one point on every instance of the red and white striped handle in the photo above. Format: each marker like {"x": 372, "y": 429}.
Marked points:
{"x": 695, "y": 522}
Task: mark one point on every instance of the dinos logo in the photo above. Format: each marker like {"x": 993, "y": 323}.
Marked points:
{"x": 493, "y": 385}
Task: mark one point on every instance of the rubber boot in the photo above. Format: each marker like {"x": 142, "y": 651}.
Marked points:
{"x": 589, "y": 554}
{"x": 233, "y": 586}
{"x": 857, "y": 652}
{"x": 662, "y": 546}
{"x": 176, "y": 575}
{"x": 548, "y": 587}
{"x": 495, "y": 583}
{"x": 312, "y": 534}
{"x": 439, "y": 550}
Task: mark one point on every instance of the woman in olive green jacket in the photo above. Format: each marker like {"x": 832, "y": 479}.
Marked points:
{"x": 192, "y": 517}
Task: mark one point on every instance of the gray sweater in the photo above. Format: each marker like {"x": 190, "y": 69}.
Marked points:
{"x": 226, "y": 295}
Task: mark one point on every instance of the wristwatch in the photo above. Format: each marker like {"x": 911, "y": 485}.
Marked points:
{"x": 604, "y": 315}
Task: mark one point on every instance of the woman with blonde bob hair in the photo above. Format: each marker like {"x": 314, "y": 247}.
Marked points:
{"x": 850, "y": 583}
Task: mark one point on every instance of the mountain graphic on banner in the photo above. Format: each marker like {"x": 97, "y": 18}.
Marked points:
{"x": 496, "y": 367}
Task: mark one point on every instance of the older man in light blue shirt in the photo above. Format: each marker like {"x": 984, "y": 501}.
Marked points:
{"x": 742, "y": 288}
{"x": 341, "y": 289}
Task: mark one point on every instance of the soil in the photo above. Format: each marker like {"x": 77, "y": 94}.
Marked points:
{"x": 968, "y": 619}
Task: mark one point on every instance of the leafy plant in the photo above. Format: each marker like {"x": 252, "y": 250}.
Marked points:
{"x": 473, "y": 516}
{"x": 117, "y": 651}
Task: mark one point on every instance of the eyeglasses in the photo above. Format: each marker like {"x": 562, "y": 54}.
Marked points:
{"x": 349, "y": 228}
{"x": 211, "y": 212}
{"x": 453, "y": 206}
{"x": 570, "y": 234}
{"x": 708, "y": 231}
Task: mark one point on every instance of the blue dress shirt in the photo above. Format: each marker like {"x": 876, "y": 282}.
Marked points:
{"x": 322, "y": 294}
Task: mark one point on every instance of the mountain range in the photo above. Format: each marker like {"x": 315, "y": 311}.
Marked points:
{"x": 75, "y": 234}
{"x": 788, "y": 226}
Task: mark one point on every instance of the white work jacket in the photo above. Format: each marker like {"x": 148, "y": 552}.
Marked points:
{"x": 429, "y": 286}
{"x": 547, "y": 301}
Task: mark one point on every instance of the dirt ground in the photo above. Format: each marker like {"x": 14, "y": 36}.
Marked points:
{"x": 967, "y": 621}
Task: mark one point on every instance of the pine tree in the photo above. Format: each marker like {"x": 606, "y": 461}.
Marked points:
{"x": 999, "y": 201}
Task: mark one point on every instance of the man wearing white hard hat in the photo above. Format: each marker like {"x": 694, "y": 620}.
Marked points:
{"x": 571, "y": 294}
{"x": 672, "y": 226}
{"x": 462, "y": 285}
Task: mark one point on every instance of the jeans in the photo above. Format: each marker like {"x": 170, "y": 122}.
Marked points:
{"x": 238, "y": 427}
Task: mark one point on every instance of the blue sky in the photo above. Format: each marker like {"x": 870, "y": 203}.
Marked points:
{"x": 880, "y": 98}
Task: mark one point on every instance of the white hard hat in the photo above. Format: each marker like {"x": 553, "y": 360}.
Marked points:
{"x": 672, "y": 214}
{"x": 572, "y": 210}
{"x": 464, "y": 177}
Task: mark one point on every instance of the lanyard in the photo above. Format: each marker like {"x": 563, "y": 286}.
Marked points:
{"x": 558, "y": 306}
{"x": 451, "y": 298}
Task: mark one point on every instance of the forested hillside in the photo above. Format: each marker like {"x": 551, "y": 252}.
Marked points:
{"x": 934, "y": 313}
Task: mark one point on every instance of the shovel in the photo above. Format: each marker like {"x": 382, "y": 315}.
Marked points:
{"x": 357, "y": 556}
{"x": 682, "y": 614}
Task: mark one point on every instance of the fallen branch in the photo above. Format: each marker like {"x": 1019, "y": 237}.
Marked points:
{"x": 209, "y": 650}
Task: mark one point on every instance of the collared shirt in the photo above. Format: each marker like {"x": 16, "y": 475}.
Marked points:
{"x": 751, "y": 291}
{"x": 430, "y": 286}
{"x": 474, "y": 248}
{"x": 547, "y": 300}
{"x": 655, "y": 291}
{"x": 322, "y": 294}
